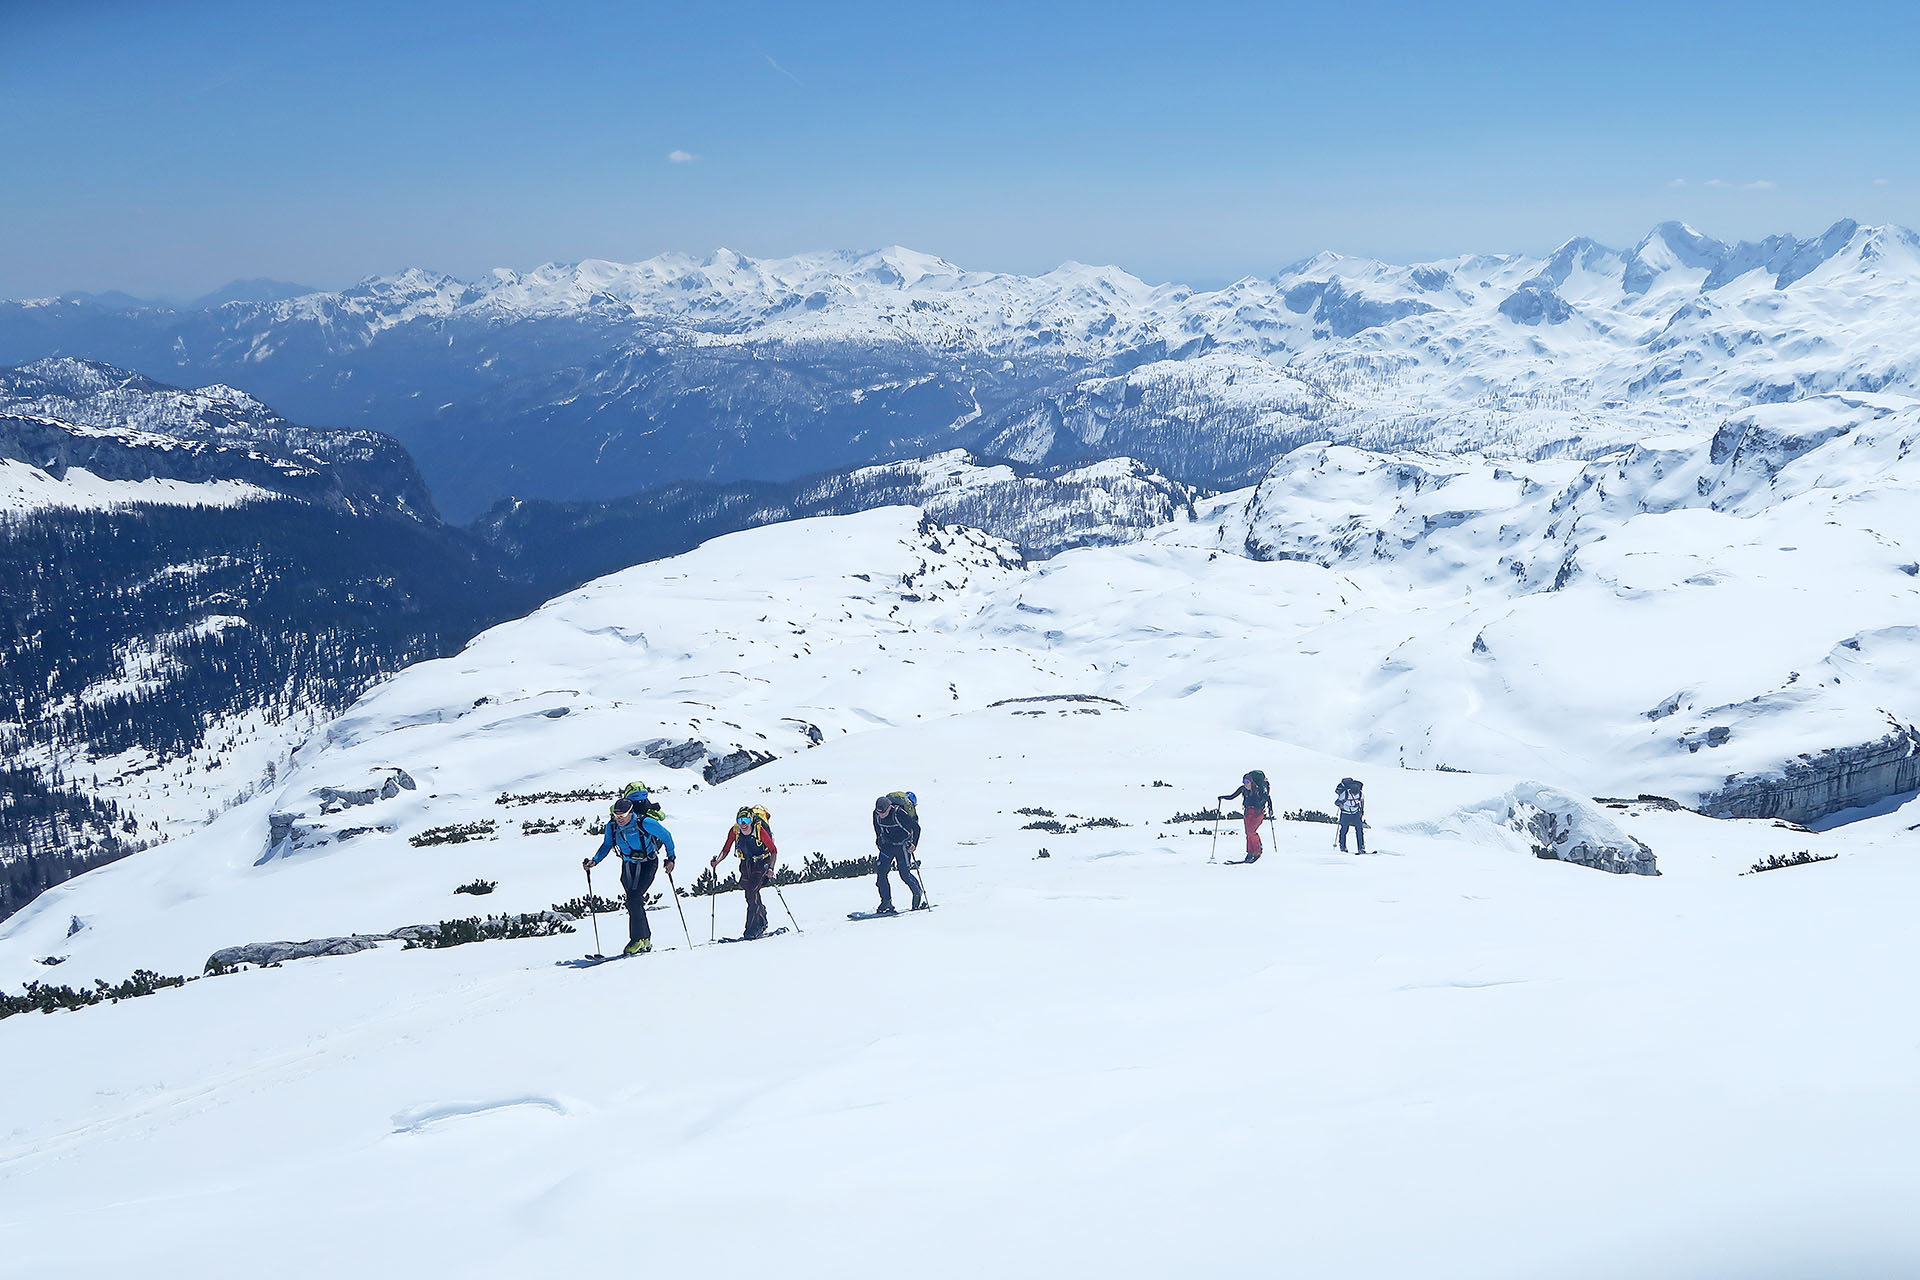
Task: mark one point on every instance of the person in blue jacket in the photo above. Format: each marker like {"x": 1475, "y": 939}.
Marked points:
{"x": 639, "y": 841}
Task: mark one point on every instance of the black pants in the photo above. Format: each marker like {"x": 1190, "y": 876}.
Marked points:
{"x": 755, "y": 875}
{"x": 1352, "y": 820}
{"x": 901, "y": 856}
{"x": 636, "y": 878}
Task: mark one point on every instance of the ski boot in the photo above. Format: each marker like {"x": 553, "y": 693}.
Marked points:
{"x": 638, "y": 947}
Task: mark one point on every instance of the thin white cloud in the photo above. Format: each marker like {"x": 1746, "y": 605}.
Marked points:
{"x": 783, "y": 71}
{"x": 677, "y": 156}
{"x": 1759, "y": 184}
{"x": 1879, "y": 182}
{"x": 1718, "y": 182}
{"x": 1678, "y": 182}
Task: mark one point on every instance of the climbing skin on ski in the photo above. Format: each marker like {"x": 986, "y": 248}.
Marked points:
{"x": 771, "y": 933}
{"x": 882, "y": 915}
{"x": 588, "y": 962}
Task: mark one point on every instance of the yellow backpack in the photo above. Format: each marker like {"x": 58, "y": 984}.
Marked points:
{"x": 761, "y": 832}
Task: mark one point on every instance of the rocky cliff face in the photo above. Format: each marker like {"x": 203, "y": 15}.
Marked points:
{"x": 59, "y": 414}
{"x": 1818, "y": 785}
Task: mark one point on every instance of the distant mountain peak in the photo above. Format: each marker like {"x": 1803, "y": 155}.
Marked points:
{"x": 258, "y": 289}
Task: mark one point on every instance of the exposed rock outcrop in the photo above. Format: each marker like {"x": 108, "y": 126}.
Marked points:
{"x": 675, "y": 755}
{"x": 391, "y": 782}
{"x": 733, "y": 764}
{"x": 278, "y": 952}
{"x": 1569, "y": 829}
{"x": 1817, "y": 785}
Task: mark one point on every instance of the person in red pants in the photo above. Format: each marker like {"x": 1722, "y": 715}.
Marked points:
{"x": 1256, "y": 805}
{"x": 751, "y": 836}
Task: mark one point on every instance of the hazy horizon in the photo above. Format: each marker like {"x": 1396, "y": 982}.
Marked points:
{"x": 174, "y": 149}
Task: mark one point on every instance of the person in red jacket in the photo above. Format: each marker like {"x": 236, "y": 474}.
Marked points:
{"x": 751, "y": 837}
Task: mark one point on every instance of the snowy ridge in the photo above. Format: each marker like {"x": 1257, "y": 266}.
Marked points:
{"x": 76, "y": 414}
{"x": 24, "y": 487}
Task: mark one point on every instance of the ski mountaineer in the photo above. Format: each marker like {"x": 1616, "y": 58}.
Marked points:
{"x": 1353, "y": 814}
{"x": 639, "y": 840}
{"x": 1256, "y": 807}
{"x": 896, "y": 833}
{"x": 751, "y": 837}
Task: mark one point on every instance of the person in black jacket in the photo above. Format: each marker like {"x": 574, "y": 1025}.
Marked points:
{"x": 1351, "y": 803}
{"x": 896, "y": 833}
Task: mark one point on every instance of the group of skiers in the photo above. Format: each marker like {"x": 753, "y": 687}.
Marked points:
{"x": 1256, "y": 808}
{"x": 637, "y": 833}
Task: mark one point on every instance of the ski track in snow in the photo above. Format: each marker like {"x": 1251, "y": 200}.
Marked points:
{"x": 426, "y": 1118}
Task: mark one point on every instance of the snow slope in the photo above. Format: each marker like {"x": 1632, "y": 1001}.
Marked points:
{"x": 1669, "y": 619}
{"x": 1450, "y": 1058}
{"x": 25, "y": 487}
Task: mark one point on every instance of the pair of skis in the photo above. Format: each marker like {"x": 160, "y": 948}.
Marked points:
{"x": 588, "y": 962}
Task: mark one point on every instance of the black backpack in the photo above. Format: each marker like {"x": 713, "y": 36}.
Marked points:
{"x": 1259, "y": 794}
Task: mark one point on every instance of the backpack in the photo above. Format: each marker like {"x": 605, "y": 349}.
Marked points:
{"x": 905, "y": 800}
{"x": 760, "y": 833}
{"x": 1348, "y": 788}
{"x": 651, "y": 809}
{"x": 1259, "y": 794}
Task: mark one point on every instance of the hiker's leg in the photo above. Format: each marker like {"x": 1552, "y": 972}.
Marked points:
{"x": 636, "y": 878}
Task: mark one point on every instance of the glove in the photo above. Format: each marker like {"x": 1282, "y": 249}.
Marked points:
{"x": 669, "y": 864}
{"x": 713, "y": 862}
{"x": 586, "y": 864}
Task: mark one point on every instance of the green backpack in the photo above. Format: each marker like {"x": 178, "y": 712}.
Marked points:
{"x": 905, "y": 800}
{"x": 647, "y": 808}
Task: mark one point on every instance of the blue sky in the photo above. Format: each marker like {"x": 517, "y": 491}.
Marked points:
{"x": 165, "y": 148}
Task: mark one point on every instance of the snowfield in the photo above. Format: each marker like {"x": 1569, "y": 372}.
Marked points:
{"x": 25, "y": 488}
{"x": 1453, "y": 1057}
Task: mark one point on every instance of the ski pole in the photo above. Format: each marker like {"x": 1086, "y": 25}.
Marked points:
{"x": 789, "y": 910}
{"x": 919, "y": 870}
{"x": 682, "y": 910}
{"x": 713, "y": 908}
{"x": 592, "y": 914}
{"x": 1212, "y": 848}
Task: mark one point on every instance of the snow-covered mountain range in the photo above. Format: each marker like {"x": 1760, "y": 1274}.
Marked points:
{"x": 597, "y": 379}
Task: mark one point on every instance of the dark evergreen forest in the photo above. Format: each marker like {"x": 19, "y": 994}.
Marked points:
{"x": 192, "y": 614}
